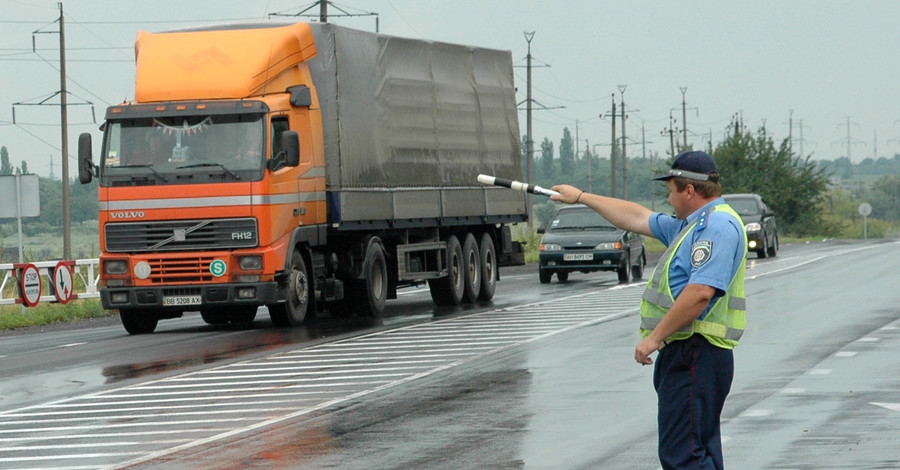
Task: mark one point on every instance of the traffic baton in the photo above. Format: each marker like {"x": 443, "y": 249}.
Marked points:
{"x": 517, "y": 185}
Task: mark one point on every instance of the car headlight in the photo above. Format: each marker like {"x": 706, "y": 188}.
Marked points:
{"x": 116, "y": 266}
{"x": 609, "y": 246}
{"x": 550, "y": 247}
{"x": 753, "y": 227}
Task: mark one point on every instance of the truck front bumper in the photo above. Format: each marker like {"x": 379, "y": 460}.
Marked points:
{"x": 190, "y": 297}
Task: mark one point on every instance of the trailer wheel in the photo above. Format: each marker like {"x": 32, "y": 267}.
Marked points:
{"x": 138, "y": 322}
{"x": 489, "y": 268}
{"x": 371, "y": 294}
{"x": 449, "y": 290}
{"x": 471, "y": 269}
{"x": 296, "y": 292}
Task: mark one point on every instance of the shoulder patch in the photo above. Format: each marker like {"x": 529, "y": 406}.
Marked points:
{"x": 701, "y": 252}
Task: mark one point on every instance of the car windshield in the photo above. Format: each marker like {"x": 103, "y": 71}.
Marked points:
{"x": 580, "y": 220}
{"x": 743, "y": 206}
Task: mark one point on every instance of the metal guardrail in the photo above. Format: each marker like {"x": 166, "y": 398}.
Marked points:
{"x": 87, "y": 270}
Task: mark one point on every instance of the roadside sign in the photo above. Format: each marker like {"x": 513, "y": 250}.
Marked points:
{"x": 865, "y": 209}
{"x": 63, "y": 284}
{"x": 30, "y": 285}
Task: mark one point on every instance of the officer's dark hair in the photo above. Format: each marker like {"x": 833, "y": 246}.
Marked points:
{"x": 707, "y": 189}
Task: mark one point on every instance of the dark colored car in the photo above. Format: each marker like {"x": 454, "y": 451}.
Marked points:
{"x": 759, "y": 221}
{"x": 581, "y": 240}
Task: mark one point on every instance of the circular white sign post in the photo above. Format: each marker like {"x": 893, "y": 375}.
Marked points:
{"x": 63, "y": 284}
{"x": 30, "y": 285}
{"x": 865, "y": 209}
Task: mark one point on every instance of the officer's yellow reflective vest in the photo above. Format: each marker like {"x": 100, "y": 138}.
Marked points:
{"x": 725, "y": 322}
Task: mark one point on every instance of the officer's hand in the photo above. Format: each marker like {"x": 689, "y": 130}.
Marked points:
{"x": 643, "y": 350}
{"x": 568, "y": 194}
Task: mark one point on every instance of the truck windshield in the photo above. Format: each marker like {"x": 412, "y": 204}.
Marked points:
{"x": 233, "y": 143}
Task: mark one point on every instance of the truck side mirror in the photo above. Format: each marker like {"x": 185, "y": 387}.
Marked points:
{"x": 85, "y": 159}
{"x": 290, "y": 145}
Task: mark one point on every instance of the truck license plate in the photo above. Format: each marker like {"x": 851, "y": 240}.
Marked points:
{"x": 181, "y": 300}
{"x": 578, "y": 257}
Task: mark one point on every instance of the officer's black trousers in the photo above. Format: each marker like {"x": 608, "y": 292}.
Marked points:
{"x": 692, "y": 378}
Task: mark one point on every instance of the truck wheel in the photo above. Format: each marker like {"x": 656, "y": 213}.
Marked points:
{"x": 489, "y": 268}
{"x": 138, "y": 322}
{"x": 214, "y": 317}
{"x": 448, "y": 290}
{"x": 372, "y": 294}
{"x": 471, "y": 269}
{"x": 296, "y": 292}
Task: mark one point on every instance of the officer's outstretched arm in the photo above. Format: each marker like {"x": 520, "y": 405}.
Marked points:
{"x": 626, "y": 215}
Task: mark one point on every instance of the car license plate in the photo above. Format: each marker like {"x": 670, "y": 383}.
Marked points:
{"x": 177, "y": 300}
{"x": 578, "y": 257}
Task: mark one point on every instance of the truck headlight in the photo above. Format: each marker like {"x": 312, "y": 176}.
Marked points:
{"x": 250, "y": 263}
{"x": 550, "y": 247}
{"x": 116, "y": 266}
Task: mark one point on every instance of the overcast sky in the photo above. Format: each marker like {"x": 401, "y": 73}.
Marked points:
{"x": 834, "y": 64}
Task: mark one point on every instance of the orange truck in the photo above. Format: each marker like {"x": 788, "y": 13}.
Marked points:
{"x": 304, "y": 168}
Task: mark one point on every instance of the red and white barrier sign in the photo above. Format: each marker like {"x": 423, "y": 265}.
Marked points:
{"x": 30, "y": 285}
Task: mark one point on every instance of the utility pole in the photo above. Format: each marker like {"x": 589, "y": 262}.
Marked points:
{"x": 590, "y": 156}
{"x": 67, "y": 213}
{"x": 323, "y": 13}
{"x": 529, "y": 142}
{"x": 624, "y": 155}
{"x": 791, "y": 131}
{"x": 529, "y": 138}
{"x": 671, "y": 131}
{"x": 850, "y": 141}
{"x": 612, "y": 151}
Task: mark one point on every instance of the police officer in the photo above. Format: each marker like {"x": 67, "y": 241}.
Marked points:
{"x": 692, "y": 310}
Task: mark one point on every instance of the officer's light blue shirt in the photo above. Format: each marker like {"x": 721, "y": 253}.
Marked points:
{"x": 710, "y": 255}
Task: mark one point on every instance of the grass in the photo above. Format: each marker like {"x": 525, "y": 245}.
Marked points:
{"x": 12, "y": 316}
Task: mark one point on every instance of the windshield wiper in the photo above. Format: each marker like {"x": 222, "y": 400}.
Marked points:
{"x": 150, "y": 167}
{"x": 604, "y": 227}
{"x": 207, "y": 164}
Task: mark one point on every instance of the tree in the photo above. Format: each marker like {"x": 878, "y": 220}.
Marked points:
{"x": 793, "y": 186}
{"x": 5, "y": 167}
{"x": 547, "y": 173}
{"x": 24, "y": 167}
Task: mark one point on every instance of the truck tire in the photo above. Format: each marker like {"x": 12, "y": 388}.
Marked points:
{"x": 138, "y": 322}
{"x": 296, "y": 291}
{"x": 371, "y": 294}
{"x": 489, "y": 268}
{"x": 448, "y": 290}
{"x": 471, "y": 269}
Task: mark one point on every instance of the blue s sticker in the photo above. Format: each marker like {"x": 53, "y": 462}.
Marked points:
{"x": 700, "y": 253}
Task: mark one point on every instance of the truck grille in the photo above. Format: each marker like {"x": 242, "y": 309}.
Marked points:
{"x": 181, "y": 235}
{"x": 175, "y": 270}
